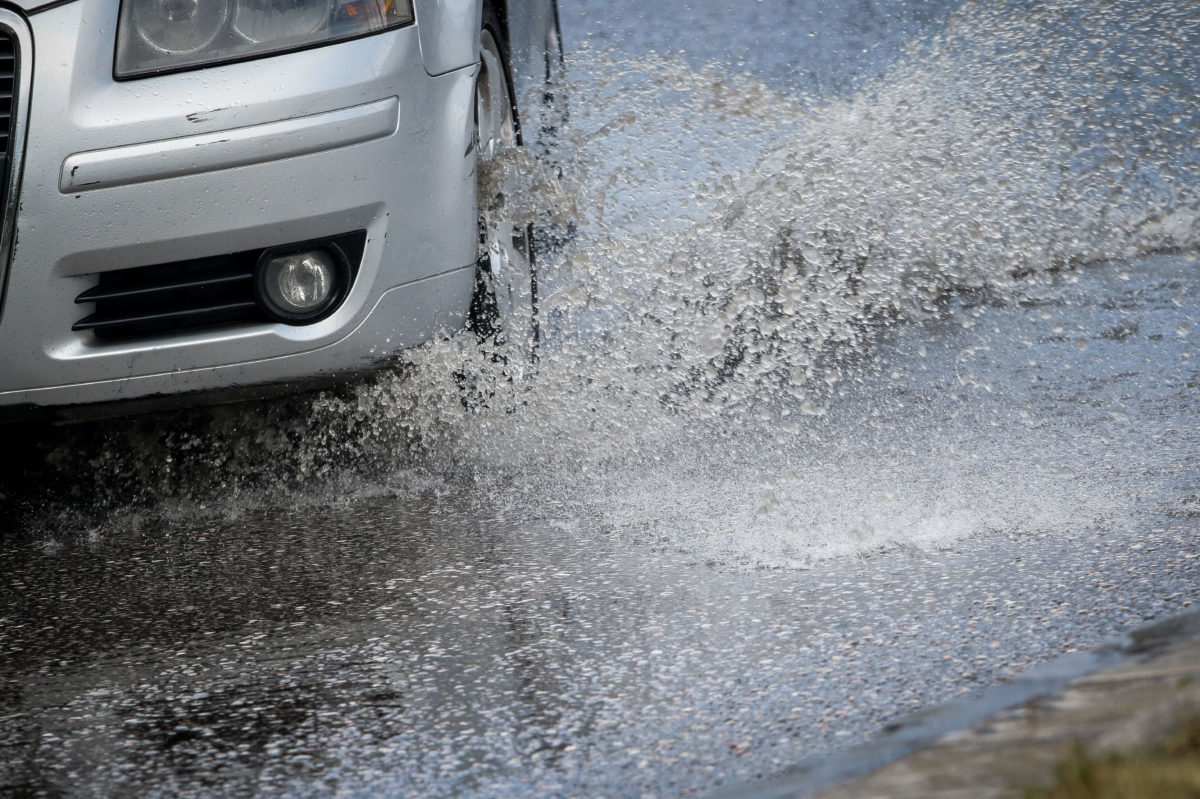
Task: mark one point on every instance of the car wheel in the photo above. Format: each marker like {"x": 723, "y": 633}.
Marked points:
{"x": 504, "y": 306}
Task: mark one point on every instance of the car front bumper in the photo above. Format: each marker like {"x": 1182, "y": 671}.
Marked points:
{"x": 355, "y": 136}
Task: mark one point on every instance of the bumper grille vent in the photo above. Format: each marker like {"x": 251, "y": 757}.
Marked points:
{"x": 15, "y": 69}
{"x": 179, "y": 296}
{"x": 149, "y": 301}
{"x": 8, "y": 81}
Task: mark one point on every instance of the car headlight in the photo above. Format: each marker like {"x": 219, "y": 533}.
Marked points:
{"x": 166, "y": 35}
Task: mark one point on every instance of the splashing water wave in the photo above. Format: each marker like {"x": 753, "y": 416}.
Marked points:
{"x": 724, "y": 258}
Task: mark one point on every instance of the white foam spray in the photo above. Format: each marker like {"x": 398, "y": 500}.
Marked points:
{"x": 725, "y": 258}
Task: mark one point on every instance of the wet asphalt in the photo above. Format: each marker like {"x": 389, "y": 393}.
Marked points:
{"x": 429, "y": 645}
{"x": 412, "y": 647}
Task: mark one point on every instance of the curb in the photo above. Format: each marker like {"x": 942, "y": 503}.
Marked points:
{"x": 1022, "y": 709}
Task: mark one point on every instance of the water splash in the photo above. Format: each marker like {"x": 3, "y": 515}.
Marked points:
{"x": 724, "y": 258}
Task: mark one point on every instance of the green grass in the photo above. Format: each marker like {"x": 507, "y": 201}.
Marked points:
{"x": 1167, "y": 770}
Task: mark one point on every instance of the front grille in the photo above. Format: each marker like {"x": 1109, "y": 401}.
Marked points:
{"x": 8, "y": 81}
{"x": 149, "y": 301}
{"x": 12, "y": 87}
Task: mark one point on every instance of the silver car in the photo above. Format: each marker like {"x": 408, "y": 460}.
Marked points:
{"x": 205, "y": 195}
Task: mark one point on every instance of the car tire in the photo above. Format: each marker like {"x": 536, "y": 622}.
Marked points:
{"x": 504, "y": 309}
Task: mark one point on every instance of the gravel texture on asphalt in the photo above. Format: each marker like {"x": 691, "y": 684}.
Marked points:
{"x": 417, "y": 646}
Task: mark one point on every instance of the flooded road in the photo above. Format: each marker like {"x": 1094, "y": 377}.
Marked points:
{"x": 430, "y": 645}
{"x": 869, "y": 382}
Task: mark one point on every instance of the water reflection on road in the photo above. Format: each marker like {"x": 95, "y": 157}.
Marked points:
{"x": 429, "y": 645}
{"x": 869, "y": 381}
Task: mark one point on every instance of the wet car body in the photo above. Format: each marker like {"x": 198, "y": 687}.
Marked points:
{"x": 143, "y": 194}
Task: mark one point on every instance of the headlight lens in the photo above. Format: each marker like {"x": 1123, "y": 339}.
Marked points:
{"x": 273, "y": 20}
{"x": 178, "y": 27}
{"x": 166, "y": 35}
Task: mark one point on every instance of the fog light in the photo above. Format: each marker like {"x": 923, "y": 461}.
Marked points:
{"x": 301, "y": 287}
